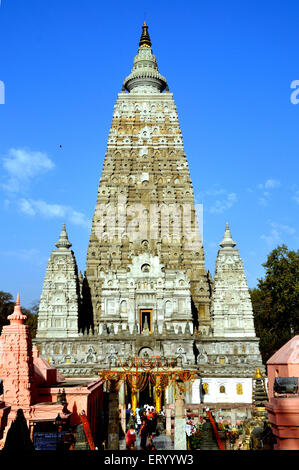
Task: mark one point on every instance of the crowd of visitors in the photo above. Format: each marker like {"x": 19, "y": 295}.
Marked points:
{"x": 145, "y": 424}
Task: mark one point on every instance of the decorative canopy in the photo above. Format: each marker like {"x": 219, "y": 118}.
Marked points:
{"x": 139, "y": 372}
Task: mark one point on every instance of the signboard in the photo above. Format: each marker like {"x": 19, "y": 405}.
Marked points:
{"x": 47, "y": 440}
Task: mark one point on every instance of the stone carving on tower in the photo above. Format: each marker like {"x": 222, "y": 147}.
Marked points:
{"x": 146, "y": 286}
{"x": 58, "y": 313}
{"x": 231, "y": 307}
{"x": 145, "y": 198}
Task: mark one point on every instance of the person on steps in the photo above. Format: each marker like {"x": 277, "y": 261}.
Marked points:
{"x": 143, "y": 433}
{"x": 131, "y": 438}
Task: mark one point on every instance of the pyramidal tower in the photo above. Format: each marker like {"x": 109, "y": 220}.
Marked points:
{"x": 231, "y": 307}
{"x": 58, "y": 313}
{"x": 145, "y": 225}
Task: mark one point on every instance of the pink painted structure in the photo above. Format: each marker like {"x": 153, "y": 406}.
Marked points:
{"x": 32, "y": 384}
{"x": 283, "y": 411}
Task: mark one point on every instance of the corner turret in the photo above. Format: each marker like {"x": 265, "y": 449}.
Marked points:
{"x": 60, "y": 300}
{"x": 231, "y": 307}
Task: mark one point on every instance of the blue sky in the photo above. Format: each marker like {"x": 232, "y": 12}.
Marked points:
{"x": 230, "y": 66}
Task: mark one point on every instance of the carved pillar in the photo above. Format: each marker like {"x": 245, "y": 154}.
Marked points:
{"x": 121, "y": 394}
{"x": 158, "y": 394}
{"x": 188, "y": 397}
{"x": 134, "y": 400}
{"x": 113, "y": 425}
{"x": 168, "y": 422}
{"x": 122, "y": 407}
{"x": 180, "y": 442}
{"x": 134, "y": 394}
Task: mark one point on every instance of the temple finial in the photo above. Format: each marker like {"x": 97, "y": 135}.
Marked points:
{"x": 17, "y": 315}
{"x": 145, "y": 72}
{"x": 145, "y": 40}
{"x": 227, "y": 241}
{"x": 63, "y": 241}
{"x": 258, "y": 374}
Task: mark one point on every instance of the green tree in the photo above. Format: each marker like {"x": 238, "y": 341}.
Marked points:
{"x": 6, "y": 308}
{"x": 31, "y": 318}
{"x": 275, "y": 301}
{"x": 7, "y": 304}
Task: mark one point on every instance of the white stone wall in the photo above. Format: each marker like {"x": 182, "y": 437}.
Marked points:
{"x": 214, "y": 394}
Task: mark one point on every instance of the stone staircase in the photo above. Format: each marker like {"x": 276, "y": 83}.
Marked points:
{"x": 208, "y": 441}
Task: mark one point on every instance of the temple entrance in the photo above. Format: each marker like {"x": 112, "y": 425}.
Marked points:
{"x": 146, "y": 317}
{"x": 146, "y": 396}
{"x": 146, "y": 380}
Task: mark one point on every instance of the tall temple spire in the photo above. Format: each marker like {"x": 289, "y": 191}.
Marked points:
{"x": 63, "y": 241}
{"x": 145, "y": 164}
